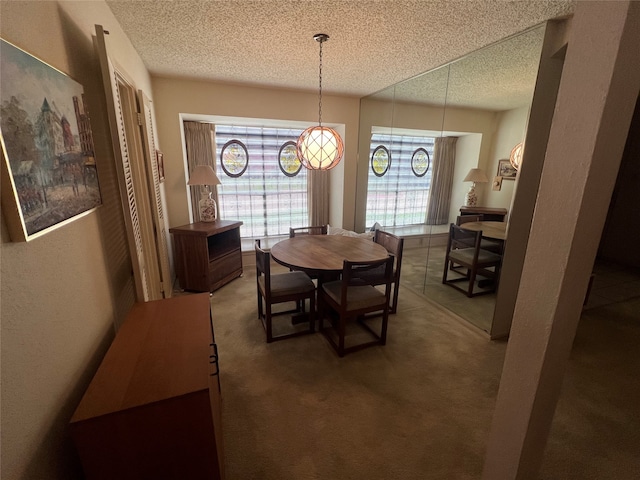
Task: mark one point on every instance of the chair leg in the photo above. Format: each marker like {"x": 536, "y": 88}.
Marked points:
{"x": 383, "y": 331}
{"x": 446, "y": 270}
{"x": 472, "y": 280}
{"x": 312, "y": 312}
{"x": 260, "y": 312}
{"x": 341, "y": 334}
{"x": 267, "y": 322}
{"x": 394, "y": 305}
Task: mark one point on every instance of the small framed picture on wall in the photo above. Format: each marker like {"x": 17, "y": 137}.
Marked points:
{"x": 160, "y": 164}
{"x": 506, "y": 170}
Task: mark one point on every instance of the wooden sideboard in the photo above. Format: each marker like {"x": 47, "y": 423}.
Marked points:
{"x": 207, "y": 255}
{"x": 488, "y": 214}
{"x": 153, "y": 408}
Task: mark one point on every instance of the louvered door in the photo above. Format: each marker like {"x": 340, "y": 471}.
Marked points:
{"x": 123, "y": 166}
{"x": 155, "y": 191}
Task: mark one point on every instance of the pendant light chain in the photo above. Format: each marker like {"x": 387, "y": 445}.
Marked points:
{"x": 318, "y": 147}
{"x": 320, "y": 88}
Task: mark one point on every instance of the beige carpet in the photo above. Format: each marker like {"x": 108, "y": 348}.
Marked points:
{"x": 418, "y": 408}
{"x": 422, "y": 269}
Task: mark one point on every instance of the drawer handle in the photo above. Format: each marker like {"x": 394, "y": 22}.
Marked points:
{"x": 213, "y": 359}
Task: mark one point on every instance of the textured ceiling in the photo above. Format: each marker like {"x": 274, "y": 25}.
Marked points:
{"x": 373, "y": 44}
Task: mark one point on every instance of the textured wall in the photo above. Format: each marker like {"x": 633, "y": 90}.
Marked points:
{"x": 177, "y": 96}
{"x": 61, "y": 293}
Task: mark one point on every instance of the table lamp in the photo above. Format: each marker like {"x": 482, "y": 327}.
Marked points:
{"x": 475, "y": 175}
{"x": 205, "y": 176}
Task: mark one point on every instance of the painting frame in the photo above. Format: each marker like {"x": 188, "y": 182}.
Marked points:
{"x": 160, "y": 165}
{"x": 49, "y": 171}
{"x": 506, "y": 170}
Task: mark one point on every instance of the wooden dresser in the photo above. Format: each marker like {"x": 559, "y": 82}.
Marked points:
{"x": 488, "y": 214}
{"x": 153, "y": 408}
{"x": 207, "y": 255}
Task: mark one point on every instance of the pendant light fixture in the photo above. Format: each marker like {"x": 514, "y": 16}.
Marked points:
{"x": 515, "y": 158}
{"x": 318, "y": 147}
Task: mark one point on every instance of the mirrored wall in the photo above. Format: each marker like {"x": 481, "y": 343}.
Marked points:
{"x": 418, "y": 141}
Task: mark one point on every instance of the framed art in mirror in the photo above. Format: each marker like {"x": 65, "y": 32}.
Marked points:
{"x": 506, "y": 170}
{"x": 49, "y": 175}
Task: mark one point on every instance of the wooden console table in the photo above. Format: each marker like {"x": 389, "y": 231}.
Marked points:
{"x": 153, "y": 409}
{"x": 207, "y": 255}
{"x": 488, "y": 214}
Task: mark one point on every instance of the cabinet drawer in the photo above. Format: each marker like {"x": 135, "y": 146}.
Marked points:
{"x": 224, "y": 266}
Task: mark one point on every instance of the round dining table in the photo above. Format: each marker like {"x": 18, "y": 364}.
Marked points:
{"x": 324, "y": 254}
{"x": 492, "y": 230}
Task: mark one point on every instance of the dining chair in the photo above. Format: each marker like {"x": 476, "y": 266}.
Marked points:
{"x": 494, "y": 246}
{"x": 350, "y": 298}
{"x": 464, "y": 248}
{"x": 280, "y": 288}
{"x": 314, "y": 230}
{"x": 394, "y": 245}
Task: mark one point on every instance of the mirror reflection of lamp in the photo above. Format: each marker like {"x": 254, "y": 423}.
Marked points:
{"x": 475, "y": 175}
{"x": 205, "y": 176}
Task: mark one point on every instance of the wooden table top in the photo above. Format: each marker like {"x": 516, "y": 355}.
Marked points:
{"x": 325, "y": 253}
{"x": 495, "y": 230}
{"x": 161, "y": 351}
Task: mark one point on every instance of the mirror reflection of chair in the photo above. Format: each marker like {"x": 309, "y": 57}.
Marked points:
{"x": 314, "y": 230}
{"x": 351, "y": 298}
{"x": 280, "y": 288}
{"x": 464, "y": 248}
{"x": 494, "y": 246}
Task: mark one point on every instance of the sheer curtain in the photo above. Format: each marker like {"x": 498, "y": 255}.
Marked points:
{"x": 318, "y": 196}
{"x": 201, "y": 150}
{"x": 444, "y": 157}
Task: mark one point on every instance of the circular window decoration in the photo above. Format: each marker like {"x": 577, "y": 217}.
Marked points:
{"x": 420, "y": 162}
{"x": 234, "y": 158}
{"x": 380, "y": 160}
{"x": 288, "y": 160}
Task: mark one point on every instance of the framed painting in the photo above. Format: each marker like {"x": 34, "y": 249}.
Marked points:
{"x": 49, "y": 175}
{"x": 506, "y": 170}
{"x": 160, "y": 165}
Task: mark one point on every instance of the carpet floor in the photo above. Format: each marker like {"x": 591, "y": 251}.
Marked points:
{"x": 419, "y": 407}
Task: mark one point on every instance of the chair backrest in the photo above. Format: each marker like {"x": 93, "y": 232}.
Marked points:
{"x": 394, "y": 246}
{"x": 314, "y": 230}
{"x": 461, "y": 238}
{"x": 263, "y": 265}
{"x": 353, "y": 271}
{"x": 468, "y": 218}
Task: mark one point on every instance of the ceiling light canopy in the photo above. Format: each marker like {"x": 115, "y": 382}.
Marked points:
{"x": 318, "y": 147}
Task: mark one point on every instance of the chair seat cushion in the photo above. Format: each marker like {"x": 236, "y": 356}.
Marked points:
{"x": 465, "y": 255}
{"x": 289, "y": 283}
{"x": 358, "y": 297}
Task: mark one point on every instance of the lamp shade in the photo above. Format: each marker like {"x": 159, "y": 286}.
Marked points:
{"x": 515, "y": 158}
{"x": 203, "y": 175}
{"x": 320, "y": 148}
{"x": 476, "y": 175}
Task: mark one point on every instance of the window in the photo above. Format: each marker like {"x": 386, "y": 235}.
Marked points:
{"x": 399, "y": 179}
{"x": 262, "y": 183}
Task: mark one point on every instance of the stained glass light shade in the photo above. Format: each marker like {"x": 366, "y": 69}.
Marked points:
{"x": 516, "y": 156}
{"x": 320, "y": 148}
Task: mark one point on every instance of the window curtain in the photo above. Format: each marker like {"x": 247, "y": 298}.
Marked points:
{"x": 318, "y": 196}
{"x": 444, "y": 158}
{"x": 201, "y": 150}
